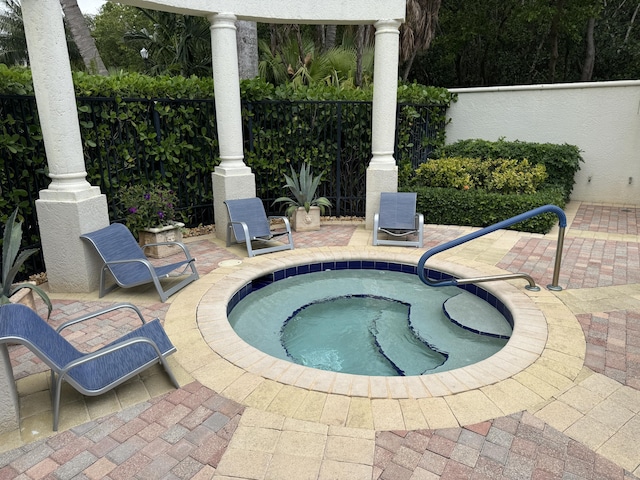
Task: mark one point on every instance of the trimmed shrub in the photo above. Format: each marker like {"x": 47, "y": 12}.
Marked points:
{"x": 498, "y": 176}
{"x": 561, "y": 161}
{"x": 450, "y": 206}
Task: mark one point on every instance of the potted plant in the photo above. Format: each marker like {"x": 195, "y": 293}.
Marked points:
{"x": 152, "y": 217}
{"x": 304, "y": 209}
{"x": 12, "y": 261}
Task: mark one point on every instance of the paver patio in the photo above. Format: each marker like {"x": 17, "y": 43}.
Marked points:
{"x": 586, "y": 428}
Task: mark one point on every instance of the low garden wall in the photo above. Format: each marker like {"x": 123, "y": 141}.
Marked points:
{"x": 602, "y": 119}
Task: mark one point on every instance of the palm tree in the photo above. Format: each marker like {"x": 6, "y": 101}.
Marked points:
{"x": 82, "y": 37}
{"x": 178, "y": 45}
{"x": 13, "y": 42}
{"x": 334, "y": 67}
{"x": 247, "y": 39}
{"x": 418, "y": 30}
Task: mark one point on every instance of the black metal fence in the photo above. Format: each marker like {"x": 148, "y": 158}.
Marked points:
{"x": 175, "y": 142}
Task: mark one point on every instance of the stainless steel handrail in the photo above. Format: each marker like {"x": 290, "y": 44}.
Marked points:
{"x": 562, "y": 218}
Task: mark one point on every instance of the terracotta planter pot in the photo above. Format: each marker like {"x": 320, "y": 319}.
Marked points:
{"x": 169, "y": 233}
{"x": 301, "y": 221}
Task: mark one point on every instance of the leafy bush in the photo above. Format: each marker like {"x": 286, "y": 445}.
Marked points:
{"x": 148, "y": 206}
{"x": 450, "y": 206}
{"x": 561, "y": 161}
{"x": 138, "y": 129}
{"x": 499, "y": 175}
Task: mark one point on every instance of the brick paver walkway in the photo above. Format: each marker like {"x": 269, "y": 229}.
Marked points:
{"x": 586, "y": 262}
{"x": 179, "y": 435}
{"x": 608, "y": 219}
{"x": 185, "y": 433}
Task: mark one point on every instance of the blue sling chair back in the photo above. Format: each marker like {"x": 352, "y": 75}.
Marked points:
{"x": 89, "y": 373}
{"x": 125, "y": 260}
{"x": 248, "y": 222}
{"x": 398, "y": 218}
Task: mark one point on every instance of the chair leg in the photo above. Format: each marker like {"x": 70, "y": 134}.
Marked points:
{"x": 103, "y": 282}
{"x": 56, "y": 389}
{"x": 376, "y": 220}
{"x": 167, "y": 369}
{"x": 229, "y": 228}
{"x": 420, "y": 228}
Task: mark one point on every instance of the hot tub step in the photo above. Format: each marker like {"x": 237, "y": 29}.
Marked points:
{"x": 476, "y": 315}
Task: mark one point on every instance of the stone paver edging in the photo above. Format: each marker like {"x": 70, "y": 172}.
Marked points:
{"x": 543, "y": 358}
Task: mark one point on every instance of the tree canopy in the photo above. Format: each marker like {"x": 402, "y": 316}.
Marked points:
{"x": 513, "y": 42}
{"x": 452, "y": 43}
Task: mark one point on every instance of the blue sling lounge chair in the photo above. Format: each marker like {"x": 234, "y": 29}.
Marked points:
{"x": 398, "y": 218}
{"x": 89, "y": 373}
{"x": 125, "y": 260}
{"x": 249, "y": 222}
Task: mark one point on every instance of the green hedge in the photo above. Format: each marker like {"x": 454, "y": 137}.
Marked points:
{"x": 449, "y": 206}
{"x": 562, "y": 162}
{"x": 494, "y": 175}
{"x": 140, "y": 129}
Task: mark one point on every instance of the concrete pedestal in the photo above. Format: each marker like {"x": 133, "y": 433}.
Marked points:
{"x": 382, "y": 178}
{"x": 239, "y": 183}
{"x": 72, "y": 265}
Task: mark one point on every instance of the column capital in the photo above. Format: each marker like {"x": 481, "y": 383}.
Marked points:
{"x": 222, "y": 20}
{"x": 387, "y": 26}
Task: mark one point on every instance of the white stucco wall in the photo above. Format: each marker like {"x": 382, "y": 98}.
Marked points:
{"x": 602, "y": 119}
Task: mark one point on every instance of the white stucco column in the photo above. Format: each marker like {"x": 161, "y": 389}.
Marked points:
{"x": 232, "y": 178}
{"x": 69, "y": 206}
{"x": 382, "y": 173}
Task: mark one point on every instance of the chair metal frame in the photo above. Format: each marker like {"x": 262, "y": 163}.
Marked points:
{"x": 397, "y": 217}
{"x": 129, "y": 267}
{"x": 249, "y": 222}
{"x": 20, "y": 324}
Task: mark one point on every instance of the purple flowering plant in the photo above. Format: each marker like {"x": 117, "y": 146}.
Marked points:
{"x": 149, "y": 206}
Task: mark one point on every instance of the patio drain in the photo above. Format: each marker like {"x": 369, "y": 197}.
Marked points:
{"x": 230, "y": 263}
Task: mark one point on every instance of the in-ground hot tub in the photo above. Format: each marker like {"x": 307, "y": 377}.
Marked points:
{"x": 524, "y": 347}
{"x": 369, "y": 318}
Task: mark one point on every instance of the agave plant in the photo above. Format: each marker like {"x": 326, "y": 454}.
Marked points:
{"x": 12, "y": 262}
{"x": 303, "y": 187}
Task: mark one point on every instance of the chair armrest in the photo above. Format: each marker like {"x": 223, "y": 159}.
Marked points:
{"x": 101, "y": 312}
{"x": 106, "y": 351}
{"x": 245, "y": 229}
{"x": 143, "y": 261}
{"x": 287, "y": 225}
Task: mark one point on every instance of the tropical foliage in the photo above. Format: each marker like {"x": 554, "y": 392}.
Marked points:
{"x": 176, "y": 44}
{"x": 303, "y": 187}
{"x": 512, "y": 42}
{"x": 13, "y": 42}
{"x": 13, "y": 260}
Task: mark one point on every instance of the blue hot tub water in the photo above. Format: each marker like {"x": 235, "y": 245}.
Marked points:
{"x": 367, "y": 321}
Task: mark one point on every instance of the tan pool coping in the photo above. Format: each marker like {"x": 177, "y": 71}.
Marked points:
{"x": 512, "y": 380}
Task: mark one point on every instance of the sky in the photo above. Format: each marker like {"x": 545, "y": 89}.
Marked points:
{"x": 90, "y": 7}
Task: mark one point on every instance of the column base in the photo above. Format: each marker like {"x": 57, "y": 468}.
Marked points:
{"x": 378, "y": 180}
{"x": 72, "y": 265}
{"x": 228, "y": 187}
